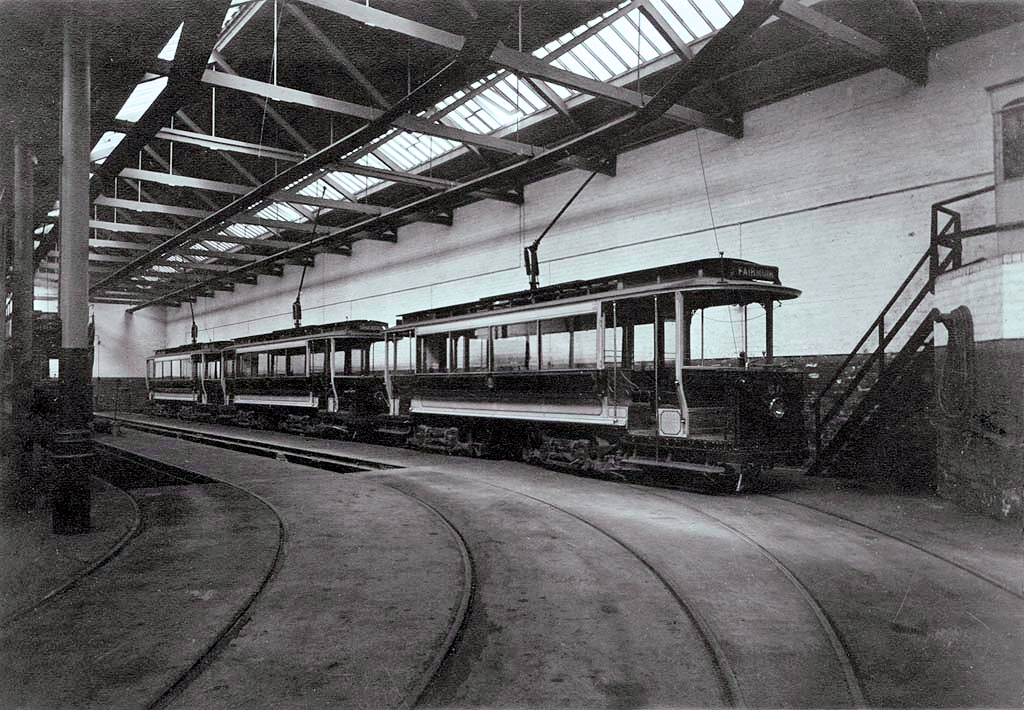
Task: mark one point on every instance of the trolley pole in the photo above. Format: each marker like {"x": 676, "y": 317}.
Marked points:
{"x": 72, "y": 445}
{"x": 26, "y": 484}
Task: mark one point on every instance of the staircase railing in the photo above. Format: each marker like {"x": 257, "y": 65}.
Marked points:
{"x": 947, "y": 233}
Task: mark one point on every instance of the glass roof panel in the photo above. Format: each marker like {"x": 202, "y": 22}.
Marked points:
{"x": 716, "y": 12}
{"x": 213, "y": 245}
{"x": 570, "y": 62}
{"x": 281, "y": 211}
{"x": 321, "y": 188}
{"x": 144, "y": 94}
{"x": 246, "y": 231}
{"x": 356, "y": 184}
{"x": 107, "y": 142}
{"x": 372, "y": 161}
{"x": 171, "y": 48}
{"x": 688, "y": 14}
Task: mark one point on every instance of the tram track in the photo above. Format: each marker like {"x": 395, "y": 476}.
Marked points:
{"x": 853, "y": 660}
{"x": 842, "y": 653}
{"x": 1019, "y": 593}
{"x": 727, "y": 676}
{"x": 229, "y": 630}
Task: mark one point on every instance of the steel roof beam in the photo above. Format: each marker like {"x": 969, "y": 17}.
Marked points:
{"x": 131, "y": 228}
{"x": 603, "y": 139}
{"x": 822, "y": 25}
{"x": 176, "y": 180}
{"x": 139, "y": 206}
{"x": 460, "y": 71}
{"x": 522, "y": 63}
{"x": 343, "y": 205}
{"x": 221, "y": 143}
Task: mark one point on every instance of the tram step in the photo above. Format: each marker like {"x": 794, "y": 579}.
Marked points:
{"x": 675, "y": 465}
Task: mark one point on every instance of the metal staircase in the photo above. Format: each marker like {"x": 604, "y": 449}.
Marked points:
{"x": 870, "y": 385}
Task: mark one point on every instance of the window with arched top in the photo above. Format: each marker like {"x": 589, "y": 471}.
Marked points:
{"x": 1011, "y": 141}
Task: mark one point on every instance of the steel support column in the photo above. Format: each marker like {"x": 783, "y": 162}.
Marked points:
{"x": 72, "y": 446}
{"x": 27, "y": 484}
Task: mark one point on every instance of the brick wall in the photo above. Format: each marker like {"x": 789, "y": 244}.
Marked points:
{"x": 121, "y": 394}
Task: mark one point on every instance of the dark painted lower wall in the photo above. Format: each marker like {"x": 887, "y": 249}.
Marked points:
{"x": 121, "y": 394}
{"x": 979, "y": 422}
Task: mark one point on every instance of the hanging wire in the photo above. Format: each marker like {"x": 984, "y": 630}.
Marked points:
{"x": 707, "y": 195}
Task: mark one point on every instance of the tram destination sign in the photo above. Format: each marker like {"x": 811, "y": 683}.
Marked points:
{"x": 754, "y": 272}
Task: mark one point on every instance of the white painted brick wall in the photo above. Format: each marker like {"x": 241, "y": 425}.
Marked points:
{"x": 833, "y": 186}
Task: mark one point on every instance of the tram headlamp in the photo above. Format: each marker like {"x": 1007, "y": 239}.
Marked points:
{"x": 777, "y": 408}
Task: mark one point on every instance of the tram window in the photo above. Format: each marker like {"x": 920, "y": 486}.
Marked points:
{"x": 1012, "y": 120}
{"x": 342, "y": 359}
{"x": 433, "y": 352}
{"x": 229, "y": 366}
{"x": 401, "y": 351}
{"x": 516, "y": 346}
{"x": 246, "y": 364}
{"x": 670, "y": 343}
{"x": 150, "y": 369}
{"x": 317, "y": 356}
{"x": 212, "y": 369}
{"x": 263, "y": 364}
{"x": 175, "y": 368}
{"x": 584, "y": 338}
{"x": 378, "y": 356}
{"x": 469, "y": 348}
{"x": 278, "y": 362}
{"x": 643, "y": 346}
{"x": 297, "y": 362}
{"x": 556, "y": 335}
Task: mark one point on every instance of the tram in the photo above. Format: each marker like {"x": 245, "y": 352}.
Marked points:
{"x": 316, "y": 379}
{"x": 598, "y": 376}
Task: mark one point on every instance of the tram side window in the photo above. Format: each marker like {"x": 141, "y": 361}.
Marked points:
{"x": 317, "y": 356}
{"x": 402, "y": 354}
{"x": 378, "y": 356}
{"x": 349, "y": 358}
{"x": 229, "y": 366}
{"x": 516, "y": 346}
{"x": 568, "y": 342}
{"x": 212, "y": 369}
{"x": 288, "y": 362}
{"x": 247, "y": 365}
{"x": 469, "y": 350}
{"x": 584, "y": 336}
{"x": 433, "y": 352}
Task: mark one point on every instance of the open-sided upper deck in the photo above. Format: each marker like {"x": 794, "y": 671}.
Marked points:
{"x": 708, "y": 282}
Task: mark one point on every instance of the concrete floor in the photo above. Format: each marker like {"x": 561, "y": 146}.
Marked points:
{"x": 467, "y": 583}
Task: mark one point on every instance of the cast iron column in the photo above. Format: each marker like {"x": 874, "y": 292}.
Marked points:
{"x": 72, "y": 445}
{"x": 27, "y": 485}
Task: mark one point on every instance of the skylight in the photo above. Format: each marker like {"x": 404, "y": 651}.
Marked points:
{"x": 171, "y": 48}
{"x": 607, "y": 48}
{"x": 105, "y": 145}
{"x": 141, "y": 98}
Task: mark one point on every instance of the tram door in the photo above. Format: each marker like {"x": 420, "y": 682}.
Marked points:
{"x": 639, "y": 360}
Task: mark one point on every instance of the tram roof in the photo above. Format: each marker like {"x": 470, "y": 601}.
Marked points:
{"x": 193, "y": 348}
{"x": 361, "y": 327}
{"x": 726, "y": 277}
